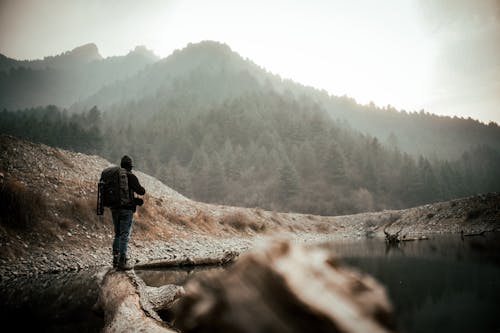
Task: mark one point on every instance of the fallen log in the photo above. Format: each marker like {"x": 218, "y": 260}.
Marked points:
{"x": 286, "y": 288}
{"x": 473, "y": 234}
{"x": 409, "y": 239}
{"x": 128, "y": 305}
{"x": 227, "y": 257}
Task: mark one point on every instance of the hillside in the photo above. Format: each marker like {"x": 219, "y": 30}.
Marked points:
{"x": 48, "y": 223}
{"x": 208, "y": 74}
{"x": 217, "y": 127}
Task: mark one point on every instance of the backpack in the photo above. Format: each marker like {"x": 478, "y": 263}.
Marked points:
{"x": 112, "y": 189}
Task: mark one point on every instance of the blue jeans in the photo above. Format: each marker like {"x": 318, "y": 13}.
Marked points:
{"x": 122, "y": 221}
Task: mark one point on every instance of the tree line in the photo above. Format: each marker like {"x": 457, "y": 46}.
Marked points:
{"x": 52, "y": 126}
{"x": 263, "y": 150}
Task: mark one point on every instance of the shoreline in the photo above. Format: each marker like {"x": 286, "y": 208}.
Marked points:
{"x": 173, "y": 253}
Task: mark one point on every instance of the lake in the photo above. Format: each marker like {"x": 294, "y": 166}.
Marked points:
{"x": 444, "y": 284}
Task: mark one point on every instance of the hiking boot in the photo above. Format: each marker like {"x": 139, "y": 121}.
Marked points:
{"x": 123, "y": 264}
{"x": 115, "y": 260}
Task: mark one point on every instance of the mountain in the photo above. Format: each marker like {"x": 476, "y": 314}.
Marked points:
{"x": 66, "y": 78}
{"x": 209, "y": 73}
{"x": 220, "y": 129}
{"x": 76, "y": 57}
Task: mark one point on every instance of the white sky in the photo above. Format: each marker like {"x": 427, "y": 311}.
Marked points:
{"x": 439, "y": 55}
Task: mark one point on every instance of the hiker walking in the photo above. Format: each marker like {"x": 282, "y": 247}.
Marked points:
{"x": 116, "y": 191}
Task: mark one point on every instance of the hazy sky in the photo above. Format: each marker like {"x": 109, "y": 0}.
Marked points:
{"x": 440, "y": 55}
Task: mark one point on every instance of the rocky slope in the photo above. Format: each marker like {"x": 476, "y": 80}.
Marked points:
{"x": 48, "y": 221}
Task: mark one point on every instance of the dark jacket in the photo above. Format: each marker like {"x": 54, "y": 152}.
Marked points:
{"x": 134, "y": 187}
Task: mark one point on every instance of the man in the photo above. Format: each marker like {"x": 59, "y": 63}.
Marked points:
{"x": 122, "y": 217}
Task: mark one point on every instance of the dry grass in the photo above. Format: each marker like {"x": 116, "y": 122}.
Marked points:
{"x": 147, "y": 211}
{"x": 80, "y": 209}
{"x": 177, "y": 219}
{"x": 474, "y": 213}
{"x": 203, "y": 221}
{"x": 240, "y": 221}
{"x": 259, "y": 212}
{"x": 322, "y": 227}
{"x": 22, "y": 207}
{"x": 277, "y": 219}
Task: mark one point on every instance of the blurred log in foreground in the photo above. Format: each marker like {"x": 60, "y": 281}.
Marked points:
{"x": 286, "y": 288}
{"x": 128, "y": 305}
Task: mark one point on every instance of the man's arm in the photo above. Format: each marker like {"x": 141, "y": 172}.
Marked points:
{"x": 133, "y": 183}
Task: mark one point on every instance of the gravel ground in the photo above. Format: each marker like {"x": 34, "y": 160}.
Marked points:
{"x": 40, "y": 261}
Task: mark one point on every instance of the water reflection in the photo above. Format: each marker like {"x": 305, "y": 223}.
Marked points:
{"x": 161, "y": 276}
{"x": 50, "y": 303}
{"x": 443, "y": 284}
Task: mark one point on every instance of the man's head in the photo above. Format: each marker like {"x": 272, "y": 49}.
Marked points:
{"x": 126, "y": 163}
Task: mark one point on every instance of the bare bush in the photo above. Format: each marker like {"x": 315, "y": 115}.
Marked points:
{"x": 240, "y": 221}
{"x": 21, "y": 207}
{"x": 177, "y": 219}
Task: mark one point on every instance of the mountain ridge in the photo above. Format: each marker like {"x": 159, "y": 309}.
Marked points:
{"x": 77, "y": 56}
{"x": 211, "y": 72}
{"x": 66, "y": 78}
{"x": 107, "y": 85}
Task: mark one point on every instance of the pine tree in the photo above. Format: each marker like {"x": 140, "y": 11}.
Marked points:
{"x": 334, "y": 164}
{"x": 289, "y": 183}
{"x": 215, "y": 181}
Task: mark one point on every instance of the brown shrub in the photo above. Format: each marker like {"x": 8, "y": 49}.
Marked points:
{"x": 177, "y": 219}
{"x": 64, "y": 224}
{"x": 259, "y": 212}
{"x": 240, "y": 221}
{"x": 203, "y": 221}
{"x": 21, "y": 207}
{"x": 322, "y": 227}
{"x": 83, "y": 209}
{"x": 276, "y": 219}
{"x": 474, "y": 213}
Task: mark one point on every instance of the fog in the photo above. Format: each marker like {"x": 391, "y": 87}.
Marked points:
{"x": 441, "y": 56}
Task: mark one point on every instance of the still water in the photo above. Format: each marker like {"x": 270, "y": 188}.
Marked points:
{"x": 50, "y": 303}
{"x": 444, "y": 284}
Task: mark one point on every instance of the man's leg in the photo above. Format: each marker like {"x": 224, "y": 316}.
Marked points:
{"x": 115, "y": 213}
{"x": 125, "y": 227}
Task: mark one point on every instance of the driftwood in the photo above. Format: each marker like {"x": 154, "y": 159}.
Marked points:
{"x": 128, "y": 305}
{"x": 472, "y": 234}
{"x": 286, "y": 288}
{"x": 409, "y": 239}
{"x": 392, "y": 238}
{"x": 227, "y": 257}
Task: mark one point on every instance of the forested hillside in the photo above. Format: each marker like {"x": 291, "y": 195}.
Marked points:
{"x": 265, "y": 151}
{"x": 208, "y": 73}
{"x": 219, "y": 129}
